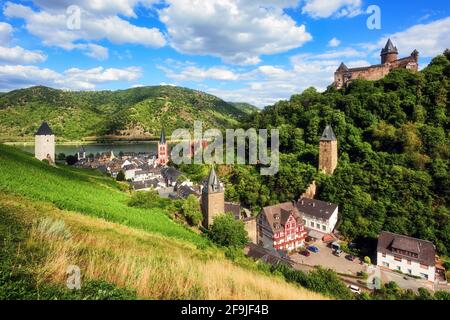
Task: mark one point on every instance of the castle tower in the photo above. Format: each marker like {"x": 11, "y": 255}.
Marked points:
{"x": 389, "y": 53}
{"x": 163, "y": 152}
{"x": 44, "y": 143}
{"x": 213, "y": 199}
{"x": 328, "y": 154}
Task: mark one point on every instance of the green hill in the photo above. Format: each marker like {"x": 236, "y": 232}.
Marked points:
{"x": 133, "y": 113}
{"x": 54, "y": 217}
{"x": 394, "y": 155}
{"x": 245, "y": 107}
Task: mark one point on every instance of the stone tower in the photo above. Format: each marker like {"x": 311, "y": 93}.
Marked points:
{"x": 328, "y": 154}
{"x": 44, "y": 145}
{"x": 163, "y": 151}
{"x": 213, "y": 199}
{"x": 389, "y": 53}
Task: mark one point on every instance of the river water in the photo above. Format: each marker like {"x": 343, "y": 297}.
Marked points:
{"x": 148, "y": 147}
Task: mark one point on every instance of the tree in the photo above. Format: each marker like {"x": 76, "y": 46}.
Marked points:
{"x": 71, "y": 160}
{"x": 191, "y": 210}
{"x": 61, "y": 156}
{"x": 228, "y": 232}
{"x": 120, "y": 176}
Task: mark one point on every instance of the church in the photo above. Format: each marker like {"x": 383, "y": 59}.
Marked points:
{"x": 389, "y": 61}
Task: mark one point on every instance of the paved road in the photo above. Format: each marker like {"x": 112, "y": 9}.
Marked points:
{"x": 403, "y": 282}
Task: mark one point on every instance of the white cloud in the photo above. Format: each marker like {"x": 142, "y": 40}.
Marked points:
{"x": 334, "y": 42}
{"x": 104, "y": 7}
{"x": 5, "y": 32}
{"x": 51, "y": 28}
{"x": 192, "y": 73}
{"x": 94, "y": 51}
{"x": 19, "y": 76}
{"x": 328, "y": 8}
{"x": 429, "y": 39}
{"x": 20, "y": 55}
{"x": 238, "y": 31}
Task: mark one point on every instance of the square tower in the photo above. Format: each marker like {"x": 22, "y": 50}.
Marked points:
{"x": 328, "y": 154}
{"x": 213, "y": 199}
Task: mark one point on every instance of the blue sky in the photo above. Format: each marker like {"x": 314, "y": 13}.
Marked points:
{"x": 240, "y": 50}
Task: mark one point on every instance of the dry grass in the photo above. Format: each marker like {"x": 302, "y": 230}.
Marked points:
{"x": 155, "y": 266}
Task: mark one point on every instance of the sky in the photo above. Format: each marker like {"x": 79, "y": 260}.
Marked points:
{"x": 255, "y": 51}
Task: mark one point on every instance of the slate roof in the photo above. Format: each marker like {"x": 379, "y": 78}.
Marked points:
{"x": 170, "y": 173}
{"x": 422, "y": 251}
{"x": 213, "y": 183}
{"x": 342, "y": 67}
{"x": 277, "y": 215}
{"x": 328, "y": 134}
{"x": 316, "y": 208}
{"x": 162, "y": 138}
{"x": 234, "y": 208}
{"x": 389, "y": 48}
{"x": 44, "y": 130}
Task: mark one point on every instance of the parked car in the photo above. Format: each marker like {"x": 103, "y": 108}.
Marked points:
{"x": 350, "y": 257}
{"x": 305, "y": 253}
{"x": 337, "y": 252}
{"x": 313, "y": 249}
{"x": 354, "y": 289}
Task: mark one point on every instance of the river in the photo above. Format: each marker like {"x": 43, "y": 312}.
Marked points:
{"x": 148, "y": 147}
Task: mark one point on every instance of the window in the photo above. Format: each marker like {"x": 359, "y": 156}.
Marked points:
{"x": 385, "y": 264}
{"x": 318, "y": 226}
{"x": 312, "y": 224}
{"x": 399, "y": 268}
{"x": 409, "y": 271}
{"x": 384, "y": 255}
{"x": 324, "y": 228}
{"x": 397, "y": 258}
{"x": 424, "y": 266}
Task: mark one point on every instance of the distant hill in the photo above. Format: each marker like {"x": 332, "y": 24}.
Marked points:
{"x": 137, "y": 112}
{"x": 245, "y": 107}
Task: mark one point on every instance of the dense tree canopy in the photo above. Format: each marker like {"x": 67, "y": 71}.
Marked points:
{"x": 393, "y": 138}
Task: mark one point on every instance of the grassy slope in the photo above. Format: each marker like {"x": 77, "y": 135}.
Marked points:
{"x": 138, "y": 250}
{"x": 138, "y": 111}
{"x": 80, "y": 190}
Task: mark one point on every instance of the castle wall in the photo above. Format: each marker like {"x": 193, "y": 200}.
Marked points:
{"x": 44, "y": 147}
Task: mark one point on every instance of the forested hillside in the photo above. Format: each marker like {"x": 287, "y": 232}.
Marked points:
{"x": 138, "y": 112}
{"x": 393, "y": 136}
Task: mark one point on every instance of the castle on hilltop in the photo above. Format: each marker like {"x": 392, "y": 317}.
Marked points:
{"x": 389, "y": 61}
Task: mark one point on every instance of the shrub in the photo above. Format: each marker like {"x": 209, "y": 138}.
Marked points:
{"x": 363, "y": 275}
{"x": 50, "y": 228}
{"x": 120, "y": 176}
{"x": 228, "y": 232}
{"x": 71, "y": 160}
{"x": 191, "y": 210}
{"x": 367, "y": 260}
{"x": 148, "y": 200}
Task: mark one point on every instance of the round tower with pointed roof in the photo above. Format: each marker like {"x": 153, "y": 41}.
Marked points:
{"x": 328, "y": 154}
{"x": 163, "y": 151}
{"x": 44, "y": 146}
{"x": 389, "y": 53}
{"x": 213, "y": 198}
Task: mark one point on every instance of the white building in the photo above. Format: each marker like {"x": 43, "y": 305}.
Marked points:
{"x": 405, "y": 254}
{"x": 44, "y": 146}
{"x": 318, "y": 215}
